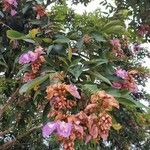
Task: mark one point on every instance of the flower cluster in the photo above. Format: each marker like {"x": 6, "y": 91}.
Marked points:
{"x": 92, "y": 123}
{"x": 57, "y": 95}
{"x": 117, "y": 51}
{"x": 127, "y": 82}
{"x": 121, "y": 73}
{"x": 40, "y": 10}
{"x": 143, "y": 29}
{"x": 36, "y": 59}
{"x": 10, "y": 6}
{"x": 59, "y": 127}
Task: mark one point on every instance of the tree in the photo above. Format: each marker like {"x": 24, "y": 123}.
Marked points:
{"x": 69, "y": 78}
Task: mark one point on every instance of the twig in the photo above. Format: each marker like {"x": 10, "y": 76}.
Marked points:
{"x": 5, "y": 25}
{"x": 9, "y": 102}
{"x": 9, "y": 144}
{"x": 4, "y": 132}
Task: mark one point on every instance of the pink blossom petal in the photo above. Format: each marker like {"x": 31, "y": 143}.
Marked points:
{"x": 72, "y": 89}
{"x": 64, "y": 129}
{"x": 48, "y": 129}
{"x": 117, "y": 85}
{"x": 33, "y": 56}
{"x": 115, "y": 43}
{"x": 88, "y": 138}
{"x": 39, "y": 50}
{"x": 13, "y": 12}
{"x": 24, "y": 59}
{"x": 104, "y": 135}
{"x": 121, "y": 73}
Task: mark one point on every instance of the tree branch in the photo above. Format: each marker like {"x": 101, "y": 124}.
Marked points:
{"x": 9, "y": 144}
{"x": 9, "y": 102}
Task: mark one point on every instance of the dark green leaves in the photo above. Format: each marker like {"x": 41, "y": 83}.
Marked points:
{"x": 30, "y": 85}
{"x": 98, "y": 76}
{"x": 126, "y": 99}
{"x": 15, "y": 35}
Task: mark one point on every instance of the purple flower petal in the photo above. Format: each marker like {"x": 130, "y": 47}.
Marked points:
{"x": 24, "y": 59}
{"x": 64, "y": 129}
{"x": 48, "y": 129}
{"x": 33, "y": 56}
{"x": 121, "y": 73}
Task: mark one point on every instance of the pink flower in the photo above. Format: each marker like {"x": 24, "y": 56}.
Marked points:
{"x": 28, "y": 77}
{"x": 104, "y": 134}
{"x": 8, "y": 6}
{"x": 48, "y": 129}
{"x": 39, "y": 50}
{"x": 64, "y": 129}
{"x": 115, "y": 43}
{"x": 143, "y": 29}
{"x": 72, "y": 89}
{"x": 12, "y": 2}
{"x": 28, "y": 57}
{"x": 121, "y": 73}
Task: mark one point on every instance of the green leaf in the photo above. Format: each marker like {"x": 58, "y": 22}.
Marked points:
{"x": 45, "y": 112}
{"x": 15, "y": 35}
{"x": 98, "y": 62}
{"x": 90, "y": 87}
{"x": 100, "y": 77}
{"x": 69, "y": 54}
{"x": 98, "y": 37}
{"x": 76, "y": 71}
{"x": 23, "y": 69}
{"x": 30, "y": 85}
{"x": 25, "y": 8}
{"x": 3, "y": 64}
{"x": 49, "y": 49}
{"x": 116, "y": 29}
{"x": 29, "y": 41}
{"x": 47, "y": 40}
{"x": 125, "y": 98}
{"x": 112, "y": 24}
{"x": 62, "y": 40}
{"x": 125, "y": 102}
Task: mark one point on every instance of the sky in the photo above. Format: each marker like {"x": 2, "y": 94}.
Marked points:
{"x": 80, "y": 8}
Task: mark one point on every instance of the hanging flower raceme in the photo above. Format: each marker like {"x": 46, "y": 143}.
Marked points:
{"x": 57, "y": 95}
{"x": 127, "y": 82}
{"x": 143, "y": 29}
{"x": 93, "y": 123}
{"x": 118, "y": 52}
{"x": 40, "y": 10}
{"x": 121, "y": 73}
{"x": 104, "y": 101}
{"x": 31, "y": 56}
{"x": 36, "y": 59}
{"x": 10, "y": 6}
